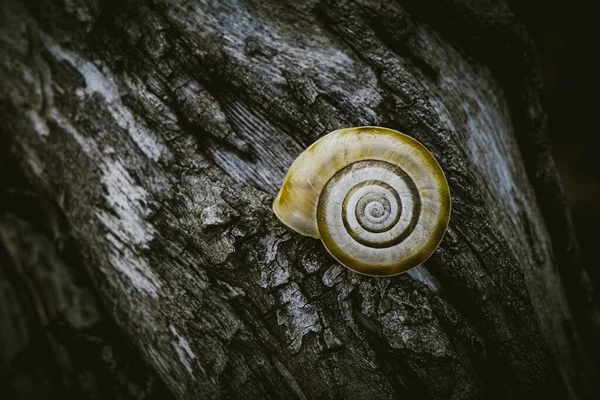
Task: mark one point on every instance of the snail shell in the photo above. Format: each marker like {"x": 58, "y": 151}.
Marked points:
{"x": 377, "y": 199}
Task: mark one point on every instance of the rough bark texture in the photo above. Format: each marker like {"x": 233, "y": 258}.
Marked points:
{"x": 151, "y": 137}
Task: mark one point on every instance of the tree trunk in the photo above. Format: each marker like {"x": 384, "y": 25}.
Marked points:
{"x": 142, "y": 145}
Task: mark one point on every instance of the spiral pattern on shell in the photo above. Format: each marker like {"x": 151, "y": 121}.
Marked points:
{"x": 380, "y": 209}
{"x": 377, "y": 198}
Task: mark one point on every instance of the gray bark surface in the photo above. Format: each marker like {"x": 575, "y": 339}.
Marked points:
{"x": 154, "y": 135}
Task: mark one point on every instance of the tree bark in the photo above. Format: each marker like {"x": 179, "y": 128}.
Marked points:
{"x": 153, "y": 136}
